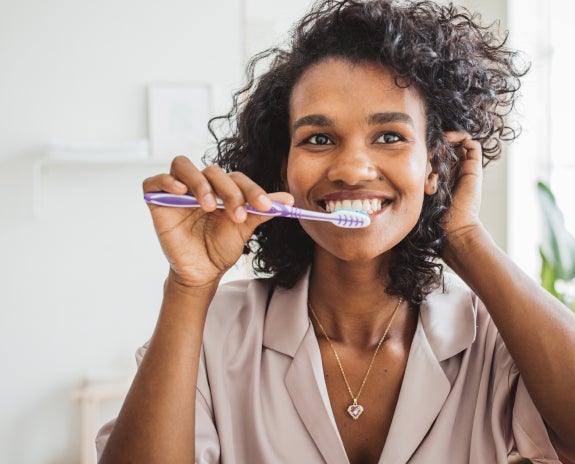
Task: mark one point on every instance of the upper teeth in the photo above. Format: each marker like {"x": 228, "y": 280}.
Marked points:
{"x": 367, "y": 206}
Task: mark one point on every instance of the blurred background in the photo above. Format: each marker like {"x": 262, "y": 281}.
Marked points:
{"x": 96, "y": 96}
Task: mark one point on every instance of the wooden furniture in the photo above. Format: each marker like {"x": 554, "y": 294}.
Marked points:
{"x": 90, "y": 395}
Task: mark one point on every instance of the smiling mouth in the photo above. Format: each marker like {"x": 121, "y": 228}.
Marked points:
{"x": 368, "y": 206}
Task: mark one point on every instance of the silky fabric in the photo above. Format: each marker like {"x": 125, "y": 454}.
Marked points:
{"x": 262, "y": 397}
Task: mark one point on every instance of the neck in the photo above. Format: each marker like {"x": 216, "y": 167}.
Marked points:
{"x": 351, "y": 303}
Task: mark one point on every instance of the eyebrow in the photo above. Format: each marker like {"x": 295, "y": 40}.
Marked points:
{"x": 376, "y": 118}
{"x": 392, "y": 116}
{"x": 312, "y": 120}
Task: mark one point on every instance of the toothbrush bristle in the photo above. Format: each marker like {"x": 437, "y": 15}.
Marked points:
{"x": 352, "y": 218}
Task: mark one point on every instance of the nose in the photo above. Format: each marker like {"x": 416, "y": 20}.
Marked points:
{"x": 352, "y": 166}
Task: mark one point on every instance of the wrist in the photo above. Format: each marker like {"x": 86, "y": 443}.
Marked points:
{"x": 464, "y": 244}
{"x": 174, "y": 283}
{"x": 189, "y": 284}
{"x": 184, "y": 306}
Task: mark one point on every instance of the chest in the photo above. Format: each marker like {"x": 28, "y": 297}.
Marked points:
{"x": 276, "y": 408}
{"x": 376, "y": 389}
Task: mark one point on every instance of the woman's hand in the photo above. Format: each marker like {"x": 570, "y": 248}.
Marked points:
{"x": 464, "y": 212}
{"x": 201, "y": 244}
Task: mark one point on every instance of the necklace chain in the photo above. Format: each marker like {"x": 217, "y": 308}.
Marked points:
{"x": 355, "y": 409}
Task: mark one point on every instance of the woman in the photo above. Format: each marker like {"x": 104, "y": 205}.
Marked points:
{"x": 355, "y": 347}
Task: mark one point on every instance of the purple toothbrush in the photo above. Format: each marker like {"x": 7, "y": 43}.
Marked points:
{"x": 341, "y": 218}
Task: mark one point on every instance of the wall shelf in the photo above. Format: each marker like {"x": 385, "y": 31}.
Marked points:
{"x": 44, "y": 167}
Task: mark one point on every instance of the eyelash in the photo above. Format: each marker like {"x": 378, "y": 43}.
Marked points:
{"x": 310, "y": 138}
{"x": 395, "y": 135}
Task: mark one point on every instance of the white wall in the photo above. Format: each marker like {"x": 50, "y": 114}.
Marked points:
{"x": 81, "y": 273}
{"x": 494, "y": 207}
{"x": 80, "y": 281}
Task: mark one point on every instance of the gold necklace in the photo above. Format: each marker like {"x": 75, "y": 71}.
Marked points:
{"x": 355, "y": 410}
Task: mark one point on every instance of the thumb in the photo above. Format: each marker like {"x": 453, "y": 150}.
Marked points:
{"x": 282, "y": 197}
{"x": 254, "y": 220}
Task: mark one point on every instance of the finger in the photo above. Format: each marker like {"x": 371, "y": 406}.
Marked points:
{"x": 256, "y": 196}
{"x": 472, "y": 148}
{"x": 253, "y": 193}
{"x": 457, "y": 137}
{"x": 282, "y": 197}
{"x": 231, "y": 194}
{"x": 164, "y": 183}
{"x": 185, "y": 171}
{"x": 254, "y": 220}
{"x": 470, "y": 169}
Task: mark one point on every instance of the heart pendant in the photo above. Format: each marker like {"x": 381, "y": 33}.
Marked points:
{"x": 355, "y": 410}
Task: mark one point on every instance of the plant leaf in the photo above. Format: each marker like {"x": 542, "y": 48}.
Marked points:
{"x": 558, "y": 245}
{"x": 548, "y": 276}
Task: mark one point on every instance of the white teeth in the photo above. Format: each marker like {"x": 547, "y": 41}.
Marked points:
{"x": 368, "y": 206}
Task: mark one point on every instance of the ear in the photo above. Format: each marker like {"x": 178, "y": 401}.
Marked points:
{"x": 431, "y": 175}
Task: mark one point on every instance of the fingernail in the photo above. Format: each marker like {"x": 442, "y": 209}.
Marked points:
{"x": 241, "y": 213}
{"x": 180, "y": 185}
{"x": 265, "y": 200}
{"x": 209, "y": 200}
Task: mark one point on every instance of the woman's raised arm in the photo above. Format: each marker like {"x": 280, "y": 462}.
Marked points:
{"x": 157, "y": 421}
{"x": 538, "y": 330}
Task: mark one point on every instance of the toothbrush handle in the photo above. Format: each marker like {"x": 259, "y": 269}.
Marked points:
{"x": 189, "y": 201}
{"x": 341, "y": 219}
{"x": 297, "y": 213}
{"x": 277, "y": 209}
{"x": 169, "y": 199}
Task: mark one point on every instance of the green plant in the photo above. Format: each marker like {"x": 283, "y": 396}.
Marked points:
{"x": 557, "y": 249}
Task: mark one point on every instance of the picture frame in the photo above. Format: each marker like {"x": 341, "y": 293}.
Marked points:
{"x": 178, "y": 116}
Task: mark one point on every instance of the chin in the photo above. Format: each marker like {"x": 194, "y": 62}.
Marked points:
{"x": 359, "y": 245}
{"x": 353, "y": 252}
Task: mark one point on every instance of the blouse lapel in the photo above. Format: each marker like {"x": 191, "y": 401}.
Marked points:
{"x": 288, "y": 330}
{"x": 306, "y": 386}
{"x": 424, "y": 390}
{"x": 446, "y": 327}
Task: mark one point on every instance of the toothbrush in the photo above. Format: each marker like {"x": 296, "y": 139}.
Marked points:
{"x": 341, "y": 218}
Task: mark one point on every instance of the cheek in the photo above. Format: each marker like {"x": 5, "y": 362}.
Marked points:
{"x": 290, "y": 175}
{"x": 288, "y": 172}
{"x": 299, "y": 174}
{"x": 414, "y": 174}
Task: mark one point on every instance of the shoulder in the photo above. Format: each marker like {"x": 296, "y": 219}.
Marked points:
{"x": 464, "y": 337}
{"x": 251, "y": 315}
{"x": 237, "y": 313}
{"x": 455, "y": 301}
{"x": 454, "y": 318}
{"x": 238, "y": 298}
{"x": 454, "y": 292}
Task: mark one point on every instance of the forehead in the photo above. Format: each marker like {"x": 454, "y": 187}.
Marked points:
{"x": 335, "y": 85}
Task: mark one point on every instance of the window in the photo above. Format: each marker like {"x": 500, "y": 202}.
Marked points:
{"x": 544, "y": 151}
{"x": 562, "y": 107}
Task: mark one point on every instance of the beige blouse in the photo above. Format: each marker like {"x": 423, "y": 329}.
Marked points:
{"x": 262, "y": 398}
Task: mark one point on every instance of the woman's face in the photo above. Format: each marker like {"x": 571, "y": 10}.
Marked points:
{"x": 358, "y": 140}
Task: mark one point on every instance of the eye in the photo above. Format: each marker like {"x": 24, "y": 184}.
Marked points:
{"x": 389, "y": 137}
{"x": 319, "y": 139}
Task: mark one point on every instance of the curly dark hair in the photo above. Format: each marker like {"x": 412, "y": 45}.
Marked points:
{"x": 465, "y": 74}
